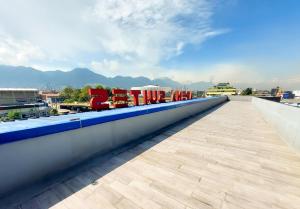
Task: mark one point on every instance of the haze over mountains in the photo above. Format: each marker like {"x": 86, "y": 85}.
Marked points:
{"x": 26, "y": 77}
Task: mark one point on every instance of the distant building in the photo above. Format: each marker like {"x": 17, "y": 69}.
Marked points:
{"x": 261, "y": 93}
{"x": 288, "y": 95}
{"x": 296, "y": 93}
{"x": 200, "y": 94}
{"x": 17, "y": 96}
{"x": 291, "y": 98}
{"x": 221, "y": 89}
{"x": 152, "y": 87}
{"x": 51, "y": 97}
{"x": 277, "y": 92}
{"x": 23, "y": 100}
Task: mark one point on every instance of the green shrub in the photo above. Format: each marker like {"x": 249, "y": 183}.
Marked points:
{"x": 69, "y": 101}
{"x": 53, "y": 111}
{"x": 14, "y": 115}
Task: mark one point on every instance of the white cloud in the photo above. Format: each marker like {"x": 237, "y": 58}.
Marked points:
{"x": 131, "y": 31}
{"x": 107, "y": 67}
{"x": 216, "y": 73}
{"x": 241, "y": 75}
{"x": 18, "y": 52}
{"x": 113, "y": 67}
{"x": 150, "y": 31}
{"x": 234, "y": 73}
{"x": 114, "y": 37}
{"x": 120, "y": 37}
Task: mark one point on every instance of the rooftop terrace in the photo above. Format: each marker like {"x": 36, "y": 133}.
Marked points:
{"x": 227, "y": 158}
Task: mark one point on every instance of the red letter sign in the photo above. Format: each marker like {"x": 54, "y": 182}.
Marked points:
{"x": 135, "y": 94}
{"x": 145, "y": 96}
{"x": 184, "y": 95}
{"x": 173, "y": 96}
{"x": 98, "y": 96}
{"x": 190, "y": 95}
{"x": 152, "y": 96}
{"x": 161, "y": 96}
{"x": 120, "y": 98}
{"x": 177, "y": 95}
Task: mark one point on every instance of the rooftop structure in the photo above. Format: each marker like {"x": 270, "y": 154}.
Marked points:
{"x": 18, "y": 89}
{"x": 152, "y": 87}
{"x": 287, "y": 95}
{"x": 51, "y": 97}
{"x": 296, "y": 93}
{"x": 17, "y": 96}
{"x": 26, "y": 101}
{"x": 277, "y": 91}
{"x": 262, "y": 93}
{"x": 221, "y": 89}
{"x": 230, "y": 157}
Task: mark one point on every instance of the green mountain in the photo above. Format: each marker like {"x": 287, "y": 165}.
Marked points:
{"x": 27, "y": 77}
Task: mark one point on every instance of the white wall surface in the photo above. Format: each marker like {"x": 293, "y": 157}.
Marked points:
{"x": 284, "y": 118}
{"x": 240, "y": 98}
{"x": 24, "y": 162}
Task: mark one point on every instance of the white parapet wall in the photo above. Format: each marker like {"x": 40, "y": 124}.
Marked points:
{"x": 286, "y": 120}
{"x": 31, "y": 150}
{"x": 240, "y": 98}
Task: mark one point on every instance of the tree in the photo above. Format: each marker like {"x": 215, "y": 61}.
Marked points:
{"x": 247, "y": 91}
{"x": 67, "y": 93}
{"x": 108, "y": 91}
{"x": 99, "y": 86}
{"x": 76, "y": 95}
{"x": 71, "y": 95}
{"x": 84, "y": 94}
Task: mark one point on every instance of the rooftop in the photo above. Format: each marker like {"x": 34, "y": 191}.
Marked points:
{"x": 228, "y": 158}
{"x": 18, "y": 89}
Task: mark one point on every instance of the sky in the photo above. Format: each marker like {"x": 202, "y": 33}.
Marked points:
{"x": 248, "y": 43}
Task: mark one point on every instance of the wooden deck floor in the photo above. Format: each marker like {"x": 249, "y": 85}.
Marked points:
{"x": 230, "y": 158}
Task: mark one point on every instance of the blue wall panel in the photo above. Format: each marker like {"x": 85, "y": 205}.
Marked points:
{"x": 20, "y": 130}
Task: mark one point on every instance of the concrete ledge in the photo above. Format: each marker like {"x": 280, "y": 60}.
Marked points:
{"x": 21, "y": 130}
{"x": 240, "y": 98}
{"x": 26, "y": 155}
{"x": 284, "y": 118}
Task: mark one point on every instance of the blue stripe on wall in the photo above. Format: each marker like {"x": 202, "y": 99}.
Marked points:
{"x": 20, "y": 130}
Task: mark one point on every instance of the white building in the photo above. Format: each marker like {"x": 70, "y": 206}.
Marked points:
{"x": 152, "y": 87}
{"x": 296, "y": 93}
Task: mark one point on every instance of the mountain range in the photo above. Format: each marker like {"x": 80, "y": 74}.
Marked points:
{"x": 27, "y": 77}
